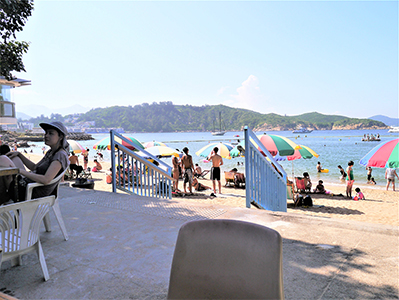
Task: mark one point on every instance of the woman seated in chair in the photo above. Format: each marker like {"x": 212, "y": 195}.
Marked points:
{"x": 199, "y": 186}
{"x": 50, "y": 166}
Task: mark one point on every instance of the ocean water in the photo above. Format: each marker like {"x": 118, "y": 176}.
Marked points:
{"x": 335, "y": 147}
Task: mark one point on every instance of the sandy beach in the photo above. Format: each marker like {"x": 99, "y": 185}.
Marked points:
{"x": 380, "y": 206}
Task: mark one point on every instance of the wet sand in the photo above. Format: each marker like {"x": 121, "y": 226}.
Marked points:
{"x": 380, "y": 206}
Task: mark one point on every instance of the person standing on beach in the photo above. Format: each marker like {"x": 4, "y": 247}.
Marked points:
{"x": 187, "y": 162}
{"x": 390, "y": 174}
{"x": 369, "y": 171}
{"x": 217, "y": 161}
{"x": 85, "y": 158}
{"x": 350, "y": 179}
{"x": 175, "y": 173}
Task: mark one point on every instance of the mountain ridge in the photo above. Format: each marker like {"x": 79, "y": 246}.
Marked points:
{"x": 167, "y": 117}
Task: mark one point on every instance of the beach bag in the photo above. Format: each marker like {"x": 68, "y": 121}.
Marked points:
{"x": 307, "y": 201}
{"x": 162, "y": 187}
{"x": 298, "y": 200}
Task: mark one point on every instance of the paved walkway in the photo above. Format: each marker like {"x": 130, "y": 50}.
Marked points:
{"x": 121, "y": 247}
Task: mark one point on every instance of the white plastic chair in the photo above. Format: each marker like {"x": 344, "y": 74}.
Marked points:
{"x": 226, "y": 259}
{"x": 56, "y": 206}
{"x": 19, "y": 230}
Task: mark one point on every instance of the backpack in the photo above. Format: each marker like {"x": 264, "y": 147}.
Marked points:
{"x": 307, "y": 201}
{"x": 298, "y": 200}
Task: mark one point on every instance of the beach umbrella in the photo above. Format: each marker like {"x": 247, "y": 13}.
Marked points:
{"x": 224, "y": 150}
{"x": 75, "y": 146}
{"x": 277, "y": 144}
{"x": 238, "y": 150}
{"x": 384, "y": 155}
{"x": 305, "y": 153}
{"x": 153, "y": 144}
{"x": 161, "y": 151}
{"x": 105, "y": 143}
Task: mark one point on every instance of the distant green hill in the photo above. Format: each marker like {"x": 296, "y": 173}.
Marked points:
{"x": 167, "y": 117}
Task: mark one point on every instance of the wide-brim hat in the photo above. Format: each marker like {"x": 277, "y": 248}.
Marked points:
{"x": 55, "y": 125}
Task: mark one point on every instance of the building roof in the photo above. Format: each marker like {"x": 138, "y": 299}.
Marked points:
{"x": 16, "y": 82}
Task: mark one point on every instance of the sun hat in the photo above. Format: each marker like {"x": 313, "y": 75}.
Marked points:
{"x": 55, "y": 125}
{"x": 60, "y": 128}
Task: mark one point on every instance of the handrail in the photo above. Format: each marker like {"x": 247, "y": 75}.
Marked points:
{"x": 264, "y": 185}
{"x": 136, "y": 174}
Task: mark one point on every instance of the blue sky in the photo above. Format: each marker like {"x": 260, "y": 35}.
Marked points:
{"x": 284, "y": 57}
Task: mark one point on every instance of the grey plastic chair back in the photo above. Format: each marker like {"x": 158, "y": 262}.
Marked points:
{"x": 226, "y": 259}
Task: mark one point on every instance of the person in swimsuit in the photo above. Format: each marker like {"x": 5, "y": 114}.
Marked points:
{"x": 390, "y": 174}
{"x": 85, "y": 158}
{"x": 343, "y": 173}
{"x": 175, "y": 172}
{"x": 187, "y": 162}
{"x": 199, "y": 186}
{"x": 349, "y": 179}
{"x": 217, "y": 161}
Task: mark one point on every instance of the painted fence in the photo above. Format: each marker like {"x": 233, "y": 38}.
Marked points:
{"x": 135, "y": 174}
{"x": 265, "y": 187}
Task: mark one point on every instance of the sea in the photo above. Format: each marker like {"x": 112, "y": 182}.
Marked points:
{"x": 335, "y": 147}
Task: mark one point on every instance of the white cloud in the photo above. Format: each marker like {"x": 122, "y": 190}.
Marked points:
{"x": 222, "y": 90}
{"x": 248, "y": 95}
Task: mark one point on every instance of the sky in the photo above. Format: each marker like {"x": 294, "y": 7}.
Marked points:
{"x": 283, "y": 57}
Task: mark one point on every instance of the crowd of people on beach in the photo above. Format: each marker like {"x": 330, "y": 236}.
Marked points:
{"x": 58, "y": 158}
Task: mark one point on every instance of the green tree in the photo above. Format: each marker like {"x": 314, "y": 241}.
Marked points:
{"x": 13, "y": 16}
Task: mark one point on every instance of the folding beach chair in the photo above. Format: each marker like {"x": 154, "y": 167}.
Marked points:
{"x": 202, "y": 175}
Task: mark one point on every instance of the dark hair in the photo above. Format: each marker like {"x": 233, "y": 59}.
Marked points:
{"x": 339, "y": 166}
{"x": 351, "y": 163}
{"x": 357, "y": 190}
{"x": 305, "y": 174}
{"x": 185, "y": 150}
{"x": 216, "y": 149}
{"x": 4, "y": 149}
{"x": 318, "y": 163}
{"x": 95, "y": 160}
{"x": 320, "y": 181}
{"x": 196, "y": 164}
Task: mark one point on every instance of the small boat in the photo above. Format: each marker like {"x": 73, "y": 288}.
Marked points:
{"x": 220, "y": 131}
{"x": 302, "y": 130}
{"x": 394, "y": 129}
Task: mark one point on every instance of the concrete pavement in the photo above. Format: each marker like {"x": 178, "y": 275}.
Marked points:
{"x": 121, "y": 247}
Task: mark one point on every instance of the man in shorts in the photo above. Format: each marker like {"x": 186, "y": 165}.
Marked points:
{"x": 390, "y": 174}
{"x": 187, "y": 162}
{"x": 217, "y": 161}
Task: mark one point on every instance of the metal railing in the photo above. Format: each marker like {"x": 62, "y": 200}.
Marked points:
{"x": 135, "y": 174}
{"x": 266, "y": 186}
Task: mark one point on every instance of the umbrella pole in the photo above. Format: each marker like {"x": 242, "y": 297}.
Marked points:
{"x": 293, "y": 171}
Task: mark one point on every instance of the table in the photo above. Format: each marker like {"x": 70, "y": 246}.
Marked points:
{"x": 13, "y": 171}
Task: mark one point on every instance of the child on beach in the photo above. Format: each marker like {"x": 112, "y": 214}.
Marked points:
{"x": 359, "y": 195}
{"x": 98, "y": 167}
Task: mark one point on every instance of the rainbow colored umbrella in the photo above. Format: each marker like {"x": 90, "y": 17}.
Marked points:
{"x": 224, "y": 150}
{"x": 238, "y": 149}
{"x": 153, "y": 144}
{"x": 105, "y": 143}
{"x": 384, "y": 155}
{"x": 305, "y": 153}
{"x": 277, "y": 144}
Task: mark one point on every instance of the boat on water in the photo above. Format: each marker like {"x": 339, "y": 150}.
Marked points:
{"x": 394, "y": 129}
{"x": 220, "y": 131}
{"x": 302, "y": 130}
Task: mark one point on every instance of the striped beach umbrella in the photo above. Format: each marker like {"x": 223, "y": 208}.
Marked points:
{"x": 153, "y": 144}
{"x": 224, "y": 150}
{"x": 277, "y": 144}
{"x": 161, "y": 151}
{"x": 75, "y": 146}
{"x": 105, "y": 143}
{"x": 305, "y": 153}
{"x": 384, "y": 155}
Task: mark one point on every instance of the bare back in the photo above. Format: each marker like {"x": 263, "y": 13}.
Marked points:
{"x": 217, "y": 160}
{"x": 187, "y": 161}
